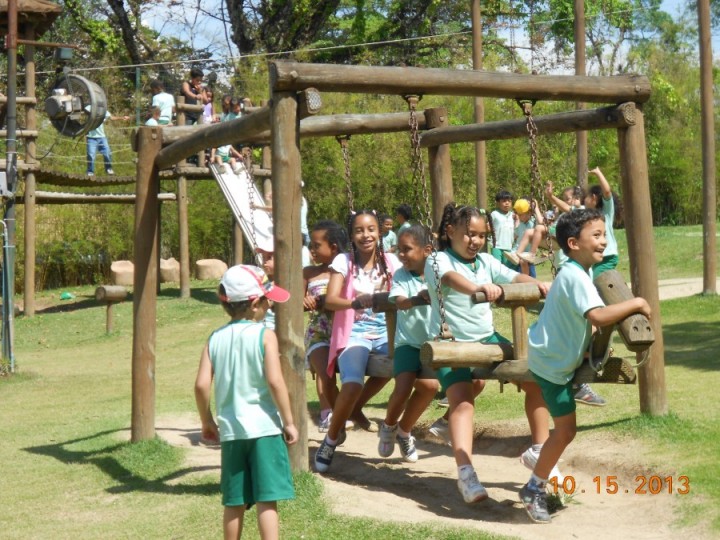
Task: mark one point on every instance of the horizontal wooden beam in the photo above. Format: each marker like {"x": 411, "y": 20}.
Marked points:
{"x": 212, "y": 136}
{"x": 20, "y": 100}
{"x": 288, "y": 75}
{"x": 187, "y": 107}
{"x": 513, "y": 294}
{"x": 55, "y": 197}
{"x": 21, "y": 165}
{"x": 27, "y": 133}
{"x": 619, "y": 116}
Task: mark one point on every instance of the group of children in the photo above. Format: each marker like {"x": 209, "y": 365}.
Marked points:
{"x": 344, "y": 331}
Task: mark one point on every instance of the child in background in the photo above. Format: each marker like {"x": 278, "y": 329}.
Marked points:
{"x": 529, "y": 233}
{"x": 254, "y": 418}
{"x": 209, "y": 108}
{"x": 154, "y": 117}
{"x": 411, "y": 395}
{"x": 403, "y": 215}
{"x": 226, "y": 154}
{"x": 389, "y": 238}
{"x": 267, "y": 252}
{"x": 357, "y": 331}
{"x": 502, "y": 226}
{"x": 464, "y": 270}
{"x": 602, "y": 198}
{"x": 558, "y": 340}
{"x": 165, "y": 101}
{"x": 327, "y": 240}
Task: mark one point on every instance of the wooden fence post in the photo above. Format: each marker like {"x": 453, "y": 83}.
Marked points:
{"x": 439, "y": 165}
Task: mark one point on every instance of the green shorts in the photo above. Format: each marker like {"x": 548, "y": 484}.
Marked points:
{"x": 449, "y": 376}
{"x": 560, "y": 399}
{"x": 255, "y": 470}
{"x": 608, "y": 263}
{"x": 406, "y": 358}
{"x": 498, "y": 253}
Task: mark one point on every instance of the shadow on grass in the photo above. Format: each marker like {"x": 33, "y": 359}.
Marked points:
{"x": 207, "y": 295}
{"x": 104, "y": 456}
{"x": 85, "y": 303}
{"x": 693, "y": 344}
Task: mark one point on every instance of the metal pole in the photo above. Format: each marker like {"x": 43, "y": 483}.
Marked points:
{"x": 8, "y": 269}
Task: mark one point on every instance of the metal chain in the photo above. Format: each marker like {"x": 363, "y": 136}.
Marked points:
{"x": 344, "y": 140}
{"x": 535, "y": 181}
{"x": 420, "y": 188}
{"x": 251, "y": 198}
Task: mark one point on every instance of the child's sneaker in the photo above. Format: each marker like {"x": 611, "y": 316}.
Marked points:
{"x": 237, "y": 169}
{"x": 222, "y": 169}
{"x": 110, "y": 172}
{"x": 586, "y": 395}
{"x": 535, "y": 504}
{"x": 324, "y": 456}
{"x": 471, "y": 488}
{"x": 386, "y": 444}
{"x": 511, "y": 256}
{"x": 324, "y": 425}
{"x": 529, "y": 458}
{"x": 441, "y": 430}
{"x": 407, "y": 448}
{"x": 443, "y": 402}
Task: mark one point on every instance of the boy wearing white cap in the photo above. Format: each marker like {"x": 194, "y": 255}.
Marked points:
{"x": 254, "y": 419}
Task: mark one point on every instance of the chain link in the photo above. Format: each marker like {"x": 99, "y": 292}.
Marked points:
{"x": 419, "y": 182}
{"x": 537, "y": 192}
{"x": 247, "y": 163}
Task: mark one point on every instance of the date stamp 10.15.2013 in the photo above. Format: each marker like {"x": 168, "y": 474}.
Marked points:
{"x": 611, "y": 485}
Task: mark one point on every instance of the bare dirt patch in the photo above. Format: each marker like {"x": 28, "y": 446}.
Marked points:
{"x": 362, "y": 484}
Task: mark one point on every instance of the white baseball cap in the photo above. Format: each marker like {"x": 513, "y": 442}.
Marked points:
{"x": 246, "y": 282}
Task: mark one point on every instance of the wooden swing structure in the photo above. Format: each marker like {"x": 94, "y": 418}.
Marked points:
{"x": 292, "y": 87}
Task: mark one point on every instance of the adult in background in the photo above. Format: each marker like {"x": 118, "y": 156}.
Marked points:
{"x": 194, "y": 93}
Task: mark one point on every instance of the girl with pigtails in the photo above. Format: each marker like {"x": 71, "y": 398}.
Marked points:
{"x": 463, "y": 269}
{"x": 357, "y": 331}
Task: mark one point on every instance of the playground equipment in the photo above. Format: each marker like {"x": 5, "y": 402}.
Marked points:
{"x": 76, "y": 105}
{"x": 281, "y": 123}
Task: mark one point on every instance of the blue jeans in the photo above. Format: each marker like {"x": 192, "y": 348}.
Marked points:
{"x": 352, "y": 362}
{"x": 93, "y": 145}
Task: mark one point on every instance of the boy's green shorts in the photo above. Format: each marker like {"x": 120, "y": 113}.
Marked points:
{"x": 449, "y": 376}
{"x": 255, "y": 470}
{"x": 406, "y": 359}
{"x": 560, "y": 399}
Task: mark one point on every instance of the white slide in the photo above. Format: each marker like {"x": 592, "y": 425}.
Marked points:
{"x": 237, "y": 188}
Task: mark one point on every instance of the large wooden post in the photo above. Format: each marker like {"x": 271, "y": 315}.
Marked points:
{"x": 149, "y": 143}
{"x": 439, "y": 165}
{"x": 285, "y": 125}
{"x": 581, "y": 136}
{"x": 643, "y": 264}
{"x": 183, "y": 236}
{"x": 480, "y": 154}
{"x": 29, "y": 195}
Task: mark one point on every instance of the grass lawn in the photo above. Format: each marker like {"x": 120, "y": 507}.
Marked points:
{"x": 70, "y": 472}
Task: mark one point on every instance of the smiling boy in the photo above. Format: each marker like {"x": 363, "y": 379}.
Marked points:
{"x": 558, "y": 340}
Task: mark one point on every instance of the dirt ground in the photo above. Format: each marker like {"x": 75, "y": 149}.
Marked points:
{"x": 362, "y": 484}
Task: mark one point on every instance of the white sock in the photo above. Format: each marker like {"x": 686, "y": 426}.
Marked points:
{"x": 537, "y": 447}
{"x": 325, "y": 413}
{"x": 331, "y": 442}
{"x": 403, "y": 434}
{"x": 464, "y": 471}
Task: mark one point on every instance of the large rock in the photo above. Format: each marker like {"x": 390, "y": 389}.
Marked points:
{"x": 121, "y": 273}
{"x": 210, "y": 269}
{"x": 169, "y": 270}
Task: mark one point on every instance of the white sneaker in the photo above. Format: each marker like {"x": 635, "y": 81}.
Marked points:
{"x": 441, "y": 429}
{"x": 513, "y": 257}
{"x": 471, "y": 488}
{"x": 324, "y": 425}
{"x": 407, "y": 448}
{"x": 529, "y": 458}
{"x": 386, "y": 444}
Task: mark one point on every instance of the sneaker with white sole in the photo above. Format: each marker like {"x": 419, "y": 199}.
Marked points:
{"x": 511, "y": 256}
{"x": 587, "y": 395}
{"x": 324, "y": 456}
{"x": 535, "y": 504}
{"x": 443, "y": 402}
{"x": 386, "y": 442}
{"x": 529, "y": 458}
{"x": 407, "y": 448}
{"x": 110, "y": 172}
{"x": 471, "y": 488}
{"x": 441, "y": 429}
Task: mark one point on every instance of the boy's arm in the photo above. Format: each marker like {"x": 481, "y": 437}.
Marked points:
{"x": 539, "y": 217}
{"x": 203, "y": 383}
{"x": 276, "y": 384}
{"x": 605, "y": 316}
{"x": 604, "y": 185}
{"x": 557, "y": 201}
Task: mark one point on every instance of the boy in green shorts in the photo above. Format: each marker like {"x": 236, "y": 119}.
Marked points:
{"x": 558, "y": 340}
{"x": 254, "y": 420}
